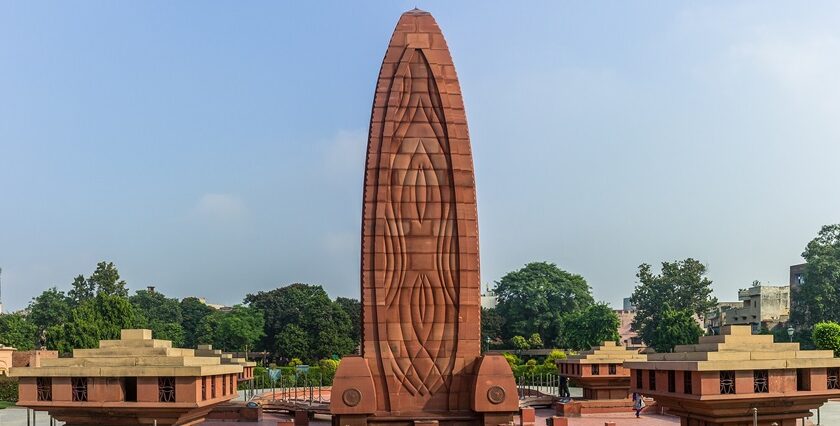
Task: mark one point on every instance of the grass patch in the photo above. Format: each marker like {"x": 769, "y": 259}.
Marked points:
{"x": 6, "y": 404}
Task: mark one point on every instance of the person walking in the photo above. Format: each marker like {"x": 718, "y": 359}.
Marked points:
{"x": 638, "y": 403}
{"x": 564, "y": 387}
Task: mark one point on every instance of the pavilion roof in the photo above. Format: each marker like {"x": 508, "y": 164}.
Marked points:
{"x": 608, "y": 353}
{"x": 736, "y": 348}
{"x": 225, "y": 357}
{"x": 135, "y": 354}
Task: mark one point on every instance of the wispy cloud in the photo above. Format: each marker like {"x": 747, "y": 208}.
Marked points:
{"x": 804, "y": 65}
{"x": 345, "y": 153}
{"x": 341, "y": 243}
{"x": 220, "y": 207}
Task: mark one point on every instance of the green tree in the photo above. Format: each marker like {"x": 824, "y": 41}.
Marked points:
{"x": 590, "y": 327}
{"x": 192, "y": 313}
{"x": 235, "y": 330}
{"x": 81, "y": 290}
{"x": 100, "y": 318}
{"x": 520, "y": 343}
{"x": 681, "y": 285}
{"x": 50, "y": 308}
{"x": 16, "y": 331}
{"x": 326, "y": 328}
{"x": 353, "y": 309}
{"x": 106, "y": 279}
{"x": 491, "y": 325}
{"x": 818, "y": 298}
{"x": 160, "y": 314}
{"x": 535, "y": 341}
{"x": 826, "y": 336}
{"x": 535, "y": 298}
{"x": 293, "y": 342}
{"x": 675, "y": 327}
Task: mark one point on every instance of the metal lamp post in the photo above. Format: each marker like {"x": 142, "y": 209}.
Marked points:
{"x": 790, "y": 331}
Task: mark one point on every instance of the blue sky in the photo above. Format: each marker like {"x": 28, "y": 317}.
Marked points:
{"x": 216, "y": 148}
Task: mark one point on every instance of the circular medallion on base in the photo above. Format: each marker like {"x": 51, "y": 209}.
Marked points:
{"x": 351, "y": 397}
{"x": 496, "y": 394}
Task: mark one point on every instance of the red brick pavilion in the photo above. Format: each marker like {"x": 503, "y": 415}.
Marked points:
{"x": 136, "y": 380}
{"x": 721, "y": 379}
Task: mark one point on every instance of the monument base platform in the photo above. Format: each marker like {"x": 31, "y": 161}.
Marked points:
{"x": 450, "y": 419}
{"x": 780, "y": 410}
{"x": 580, "y": 407}
{"x": 114, "y": 416}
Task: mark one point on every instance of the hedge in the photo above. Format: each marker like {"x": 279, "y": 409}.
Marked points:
{"x": 8, "y": 389}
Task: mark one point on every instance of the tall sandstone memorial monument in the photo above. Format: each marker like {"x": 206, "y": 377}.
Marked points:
{"x": 421, "y": 357}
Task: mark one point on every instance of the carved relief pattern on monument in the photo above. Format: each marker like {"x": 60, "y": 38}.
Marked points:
{"x": 421, "y": 242}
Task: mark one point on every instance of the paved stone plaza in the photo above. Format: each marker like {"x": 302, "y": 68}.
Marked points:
{"x": 830, "y": 415}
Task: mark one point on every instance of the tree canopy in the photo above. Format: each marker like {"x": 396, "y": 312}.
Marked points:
{"x": 590, "y": 326}
{"x": 81, "y": 290}
{"x": 106, "y": 279}
{"x": 49, "y": 308}
{"x": 353, "y": 309}
{"x": 235, "y": 330}
{"x": 680, "y": 286}
{"x": 491, "y": 325}
{"x": 193, "y": 313}
{"x": 17, "y": 332}
{"x": 675, "y": 327}
{"x": 100, "y": 318}
{"x": 160, "y": 314}
{"x": 818, "y": 298}
{"x": 535, "y": 298}
{"x": 302, "y": 321}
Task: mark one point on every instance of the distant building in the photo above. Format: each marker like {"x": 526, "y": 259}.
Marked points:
{"x": 714, "y": 320}
{"x": 488, "y": 298}
{"x": 797, "y": 275}
{"x": 797, "y": 278}
{"x": 11, "y": 357}
{"x": 628, "y": 306}
{"x": 215, "y": 306}
{"x": 5, "y": 359}
{"x": 627, "y": 337}
{"x": 760, "y": 305}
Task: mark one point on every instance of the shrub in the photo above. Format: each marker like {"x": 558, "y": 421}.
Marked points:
{"x": 512, "y": 359}
{"x": 520, "y": 343}
{"x": 826, "y": 335}
{"x": 555, "y": 355}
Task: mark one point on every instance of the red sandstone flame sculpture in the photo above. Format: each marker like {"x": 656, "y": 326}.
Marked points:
{"x": 412, "y": 233}
{"x": 421, "y": 354}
